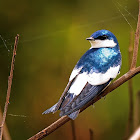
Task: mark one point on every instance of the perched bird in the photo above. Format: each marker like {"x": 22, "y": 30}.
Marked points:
{"x": 91, "y": 75}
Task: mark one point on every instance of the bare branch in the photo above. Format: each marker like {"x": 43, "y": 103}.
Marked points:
{"x": 129, "y": 127}
{"x": 130, "y": 87}
{"x": 136, "y": 43}
{"x": 91, "y": 134}
{"x": 9, "y": 85}
{"x": 6, "y": 134}
{"x": 73, "y": 130}
{"x": 136, "y": 135}
{"x": 65, "y": 119}
{"x": 130, "y": 48}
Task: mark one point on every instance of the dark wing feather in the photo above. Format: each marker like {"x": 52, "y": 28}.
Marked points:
{"x": 64, "y": 99}
{"x": 88, "y": 93}
{"x": 64, "y": 94}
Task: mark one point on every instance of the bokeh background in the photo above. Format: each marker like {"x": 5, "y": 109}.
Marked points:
{"x": 52, "y": 39}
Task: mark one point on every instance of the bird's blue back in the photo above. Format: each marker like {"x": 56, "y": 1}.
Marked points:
{"x": 99, "y": 60}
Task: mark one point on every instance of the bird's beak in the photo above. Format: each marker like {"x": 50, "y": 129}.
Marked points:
{"x": 90, "y": 38}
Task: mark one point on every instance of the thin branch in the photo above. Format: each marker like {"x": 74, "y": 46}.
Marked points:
{"x": 136, "y": 43}
{"x": 9, "y": 85}
{"x": 65, "y": 119}
{"x": 6, "y": 134}
{"x": 136, "y": 135}
{"x": 73, "y": 130}
{"x": 129, "y": 128}
{"x": 130, "y": 87}
{"x": 130, "y": 48}
{"x": 91, "y": 134}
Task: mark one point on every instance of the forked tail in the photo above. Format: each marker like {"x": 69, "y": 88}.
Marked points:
{"x": 52, "y": 109}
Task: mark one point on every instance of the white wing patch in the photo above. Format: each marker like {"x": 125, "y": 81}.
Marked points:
{"x": 79, "y": 84}
{"x": 74, "y": 73}
{"x": 101, "y": 78}
{"x": 92, "y": 78}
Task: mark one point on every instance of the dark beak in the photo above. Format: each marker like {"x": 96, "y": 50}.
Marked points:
{"x": 90, "y": 38}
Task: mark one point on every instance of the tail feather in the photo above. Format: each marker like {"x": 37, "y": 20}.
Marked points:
{"x": 74, "y": 115}
{"x": 52, "y": 109}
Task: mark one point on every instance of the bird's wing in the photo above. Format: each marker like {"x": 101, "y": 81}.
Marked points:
{"x": 87, "y": 94}
{"x": 73, "y": 76}
{"x": 84, "y": 88}
{"x": 65, "y": 97}
{"x": 79, "y": 85}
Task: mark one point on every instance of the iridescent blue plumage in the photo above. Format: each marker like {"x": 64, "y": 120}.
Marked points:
{"x": 99, "y": 60}
{"x": 93, "y": 72}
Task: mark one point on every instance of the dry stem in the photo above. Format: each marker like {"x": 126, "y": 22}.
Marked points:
{"x": 129, "y": 128}
{"x": 73, "y": 130}
{"x": 9, "y": 86}
{"x": 6, "y": 134}
{"x": 91, "y": 134}
{"x": 130, "y": 87}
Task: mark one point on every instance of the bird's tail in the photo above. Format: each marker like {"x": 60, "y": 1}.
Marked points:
{"x": 52, "y": 109}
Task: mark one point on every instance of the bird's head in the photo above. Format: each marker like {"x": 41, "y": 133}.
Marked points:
{"x": 102, "y": 39}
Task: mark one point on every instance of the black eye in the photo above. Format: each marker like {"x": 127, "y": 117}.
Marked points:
{"x": 103, "y": 37}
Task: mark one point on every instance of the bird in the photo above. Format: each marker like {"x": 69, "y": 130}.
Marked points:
{"x": 91, "y": 75}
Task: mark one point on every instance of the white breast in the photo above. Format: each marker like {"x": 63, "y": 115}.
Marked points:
{"x": 92, "y": 78}
{"x": 101, "y": 78}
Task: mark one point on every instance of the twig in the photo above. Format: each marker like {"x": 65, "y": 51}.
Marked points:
{"x": 130, "y": 48}
{"x": 130, "y": 87}
{"x": 9, "y": 86}
{"x": 65, "y": 119}
{"x": 136, "y": 43}
{"x": 136, "y": 135}
{"x": 137, "y": 111}
{"x": 73, "y": 130}
{"x": 91, "y": 134}
{"x": 129, "y": 128}
{"x": 6, "y": 134}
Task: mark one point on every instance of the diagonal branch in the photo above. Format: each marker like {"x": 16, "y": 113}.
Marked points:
{"x": 6, "y": 134}
{"x": 9, "y": 86}
{"x": 65, "y": 119}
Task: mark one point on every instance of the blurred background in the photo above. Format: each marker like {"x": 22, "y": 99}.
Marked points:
{"x": 52, "y": 39}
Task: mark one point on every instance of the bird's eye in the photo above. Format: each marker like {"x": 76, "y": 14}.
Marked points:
{"x": 103, "y": 37}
